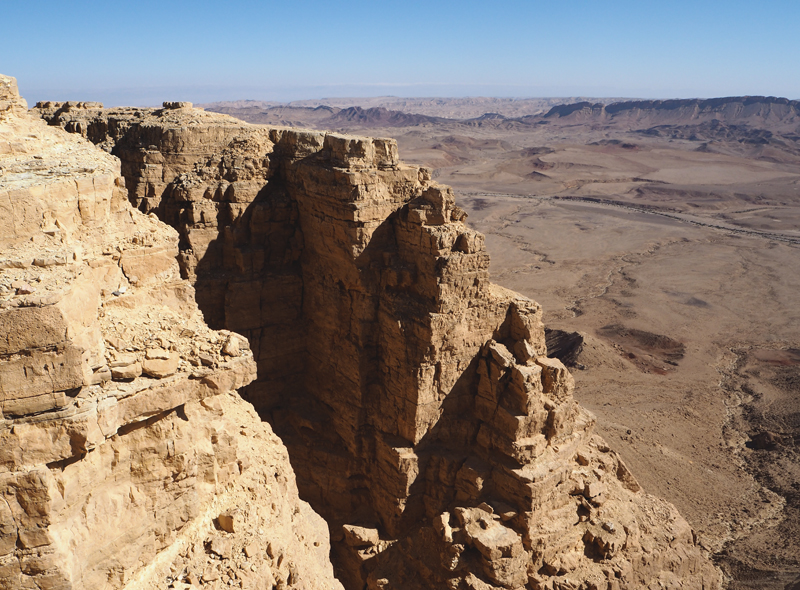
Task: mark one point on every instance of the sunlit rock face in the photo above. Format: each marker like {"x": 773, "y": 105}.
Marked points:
{"x": 422, "y": 416}
{"x": 123, "y": 442}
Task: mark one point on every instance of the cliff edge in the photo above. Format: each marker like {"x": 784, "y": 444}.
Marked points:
{"x": 127, "y": 459}
{"x": 422, "y": 416}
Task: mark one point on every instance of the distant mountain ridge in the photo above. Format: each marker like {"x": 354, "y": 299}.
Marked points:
{"x": 778, "y": 115}
{"x": 762, "y": 111}
{"x": 382, "y": 116}
{"x": 448, "y": 108}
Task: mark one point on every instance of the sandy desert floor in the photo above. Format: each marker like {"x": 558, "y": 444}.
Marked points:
{"x": 690, "y": 349}
{"x": 674, "y": 255}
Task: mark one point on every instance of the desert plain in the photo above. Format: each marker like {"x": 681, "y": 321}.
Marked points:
{"x": 662, "y": 240}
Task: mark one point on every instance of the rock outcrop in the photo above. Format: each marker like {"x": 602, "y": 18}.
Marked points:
{"x": 127, "y": 459}
{"x": 421, "y": 413}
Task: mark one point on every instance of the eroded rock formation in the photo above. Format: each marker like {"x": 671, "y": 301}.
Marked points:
{"x": 422, "y": 416}
{"x": 127, "y": 459}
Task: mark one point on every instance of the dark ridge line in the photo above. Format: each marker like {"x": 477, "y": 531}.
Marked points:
{"x": 703, "y": 104}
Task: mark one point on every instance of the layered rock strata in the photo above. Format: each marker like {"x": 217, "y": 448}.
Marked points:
{"x": 423, "y": 419}
{"x": 127, "y": 459}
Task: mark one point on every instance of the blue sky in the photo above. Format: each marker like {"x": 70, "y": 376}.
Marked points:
{"x": 144, "y": 52}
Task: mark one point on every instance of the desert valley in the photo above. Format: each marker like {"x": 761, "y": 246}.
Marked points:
{"x": 400, "y": 343}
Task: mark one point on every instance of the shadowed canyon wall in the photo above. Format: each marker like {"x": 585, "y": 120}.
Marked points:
{"x": 422, "y": 416}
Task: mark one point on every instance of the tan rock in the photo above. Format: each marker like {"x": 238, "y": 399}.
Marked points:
{"x": 126, "y": 371}
{"x": 358, "y": 536}
{"x": 157, "y": 354}
{"x": 177, "y": 105}
{"x": 37, "y": 382}
{"x": 594, "y": 489}
{"x": 231, "y": 346}
{"x": 253, "y": 550}
{"x": 221, "y": 546}
{"x": 126, "y": 472}
{"x": 207, "y": 360}
{"x": 405, "y": 383}
{"x": 556, "y": 378}
{"x": 123, "y": 360}
{"x": 31, "y": 327}
{"x": 159, "y": 368}
{"x": 227, "y": 522}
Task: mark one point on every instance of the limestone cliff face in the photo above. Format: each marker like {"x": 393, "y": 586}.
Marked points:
{"x": 127, "y": 459}
{"x": 422, "y": 417}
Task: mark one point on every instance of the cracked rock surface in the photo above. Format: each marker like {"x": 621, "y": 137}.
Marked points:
{"x": 122, "y": 436}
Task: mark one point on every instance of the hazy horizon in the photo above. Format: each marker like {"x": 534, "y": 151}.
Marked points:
{"x": 149, "y": 97}
{"x": 153, "y": 97}
{"x": 144, "y": 53}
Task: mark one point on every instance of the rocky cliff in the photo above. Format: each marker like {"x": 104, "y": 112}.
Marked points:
{"x": 127, "y": 459}
{"x": 422, "y": 416}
